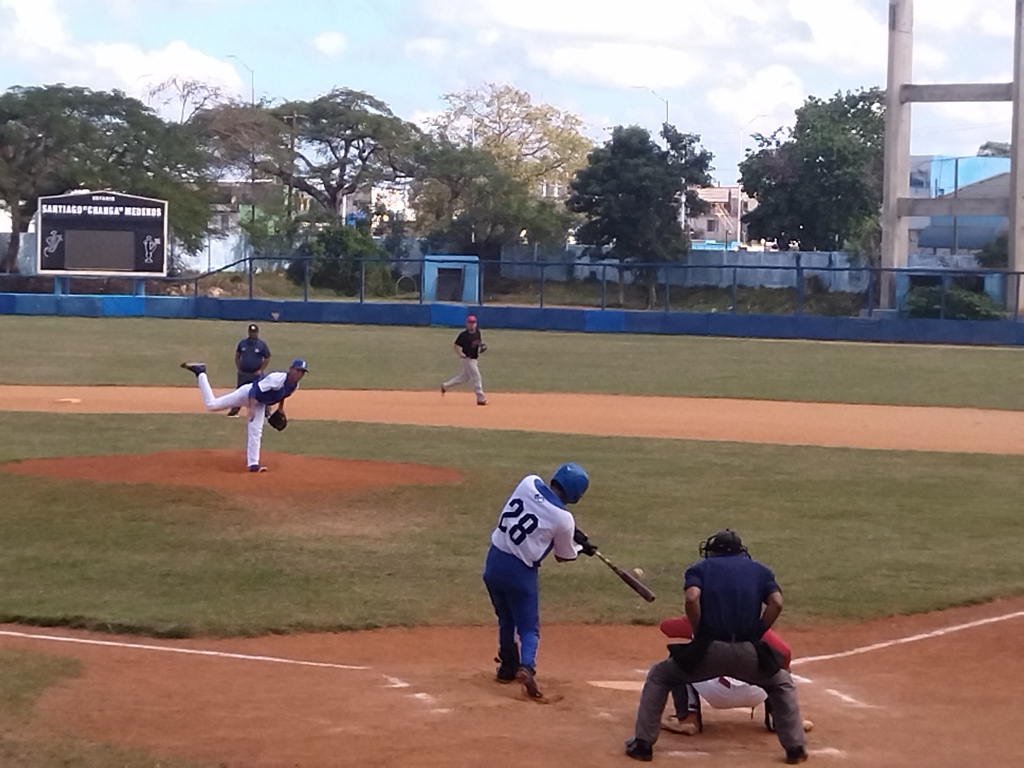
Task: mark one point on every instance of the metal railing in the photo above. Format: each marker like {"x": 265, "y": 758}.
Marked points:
{"x": 794, "y": 289}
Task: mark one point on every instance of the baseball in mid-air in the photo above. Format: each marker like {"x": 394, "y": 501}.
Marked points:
{"x": 638, "y": 572}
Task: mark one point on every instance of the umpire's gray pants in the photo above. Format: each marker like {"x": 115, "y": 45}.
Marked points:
{"x": 738, "y": 660}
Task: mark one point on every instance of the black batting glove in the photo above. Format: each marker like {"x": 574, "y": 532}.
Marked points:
{"x": 581, "y": 538}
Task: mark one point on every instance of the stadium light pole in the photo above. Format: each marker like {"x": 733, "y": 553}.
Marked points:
{"x": 651, "y": 90}
{"x": 252, "y": 156}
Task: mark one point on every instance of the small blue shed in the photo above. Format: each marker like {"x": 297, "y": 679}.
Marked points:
{"x": 451, "y": 278}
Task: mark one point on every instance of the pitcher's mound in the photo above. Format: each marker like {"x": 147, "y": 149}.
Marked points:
{"x": 225, "y": 470}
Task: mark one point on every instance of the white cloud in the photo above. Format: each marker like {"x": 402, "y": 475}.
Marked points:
{"x": 960, "y": 16}
{"x": 427, "y": 48}
{"x": 842, "y": 33}
{"x": 330, "y": 44}
{"x": 773, "y": 92}
{"x": 35, "y": 24}
{"x": 41, "y": 38}
{"x": 422, "y": 117}
{"x": 618, "y": 65}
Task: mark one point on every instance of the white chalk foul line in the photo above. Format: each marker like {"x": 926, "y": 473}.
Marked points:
{"x": 187, "y": 651}
{"x": 909, "y": 639}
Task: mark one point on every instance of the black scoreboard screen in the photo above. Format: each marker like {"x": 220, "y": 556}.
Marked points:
{"x": 101, "y": 233}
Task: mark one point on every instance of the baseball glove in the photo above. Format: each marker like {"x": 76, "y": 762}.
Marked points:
{"x": 278, "y": 420}
{"x": 482, "y": 348}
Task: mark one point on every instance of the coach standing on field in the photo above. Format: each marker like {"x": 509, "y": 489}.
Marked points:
{"x": 251, "y": 357}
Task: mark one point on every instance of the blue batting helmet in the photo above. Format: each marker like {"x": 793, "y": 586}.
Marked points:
{"x": 573, "y": 481}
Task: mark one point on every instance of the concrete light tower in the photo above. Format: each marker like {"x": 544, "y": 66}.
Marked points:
{"x": 897, "y": 205}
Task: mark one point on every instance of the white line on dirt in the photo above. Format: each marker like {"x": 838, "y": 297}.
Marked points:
{"x": 845, "y": 699}
{"x": 187, "y": 651}
{"x": 909, "y": 639}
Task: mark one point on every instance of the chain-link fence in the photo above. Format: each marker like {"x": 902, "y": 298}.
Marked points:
{"x": 770, "y": 283}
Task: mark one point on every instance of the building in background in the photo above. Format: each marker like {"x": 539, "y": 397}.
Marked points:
{"x": 722, "y": 225}
{"x": 970, "y": 177}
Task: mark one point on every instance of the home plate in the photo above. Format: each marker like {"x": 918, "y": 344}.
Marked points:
{"x": 618, "y": 685}
{"x": 69, "y": 400}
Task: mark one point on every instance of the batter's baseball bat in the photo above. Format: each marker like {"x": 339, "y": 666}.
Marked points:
{"x": 634, "y": 583}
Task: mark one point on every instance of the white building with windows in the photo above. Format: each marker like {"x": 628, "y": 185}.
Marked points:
{"x": 723, "y": 222}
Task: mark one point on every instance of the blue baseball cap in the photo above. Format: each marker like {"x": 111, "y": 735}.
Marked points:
{"x": 300, "y": 364}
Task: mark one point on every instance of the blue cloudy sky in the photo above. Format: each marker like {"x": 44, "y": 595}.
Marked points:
{"x": 726, "y": 67}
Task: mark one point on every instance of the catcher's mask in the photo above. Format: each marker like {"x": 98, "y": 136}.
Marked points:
{"x": 725, "y": 542}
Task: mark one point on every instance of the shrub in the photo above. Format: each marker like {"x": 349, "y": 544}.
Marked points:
{"x": 335, "y": 256}
{"x": 960, "y": 304}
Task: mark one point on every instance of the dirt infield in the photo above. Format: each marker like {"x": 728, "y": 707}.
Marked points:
{"x": 961, "y": 430}
{"x": 293, "y": 477}
{"x": 936, "y": 690}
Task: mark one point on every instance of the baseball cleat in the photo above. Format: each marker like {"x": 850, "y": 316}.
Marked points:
{"x": 443, "y": 390}
{"x": 233, "y": 413}
{"x": 257, "y": 468}
{"x": 196, "y": 368}
{"x": 481, "y": 402}
{"x": 525, "y": 677}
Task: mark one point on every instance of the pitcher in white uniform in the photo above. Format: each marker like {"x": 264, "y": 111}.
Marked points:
{"x": 271, "y": 389}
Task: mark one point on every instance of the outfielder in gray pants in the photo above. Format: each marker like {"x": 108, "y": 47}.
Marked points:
{"x": 471, "y": 373}
{"x": 468, "y": 346}
{"x": 737, "y": 660}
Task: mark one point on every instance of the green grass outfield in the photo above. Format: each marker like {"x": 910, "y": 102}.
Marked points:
{"x": 56, "y": 350}
{"x": 851, "y": 533}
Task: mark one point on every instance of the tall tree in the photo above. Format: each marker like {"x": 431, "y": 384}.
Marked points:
{"x": 464, "y": 197}
{"x": 329, "y": 148}
{"x": 186, "y": 97}
{"x": 533, "y": 143}
{"x": 994, "y": 149}
{"x": 632, "y": 193}
{"x": 57, "y": 138}
{"x": 820, "y": 183}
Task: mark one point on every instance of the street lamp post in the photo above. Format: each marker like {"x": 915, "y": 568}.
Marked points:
{"x": 739, "y": 194}
{"x": 252, "y": 156}
{"x": 651, "y": 90}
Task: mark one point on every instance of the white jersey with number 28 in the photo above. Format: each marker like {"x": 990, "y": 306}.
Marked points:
{"x": 533, "y": 522}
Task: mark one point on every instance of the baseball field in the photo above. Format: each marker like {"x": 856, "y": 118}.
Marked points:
{"x": 159, "y": 607}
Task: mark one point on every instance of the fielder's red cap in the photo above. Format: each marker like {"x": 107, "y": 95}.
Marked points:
{"x": 471, "y": 319}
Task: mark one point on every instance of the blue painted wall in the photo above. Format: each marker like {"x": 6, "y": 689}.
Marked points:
{"x": 880, "y": 328}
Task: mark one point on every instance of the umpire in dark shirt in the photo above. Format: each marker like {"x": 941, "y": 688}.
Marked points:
{"x": 731, "y": 601}
{"x": 251, "y": 357}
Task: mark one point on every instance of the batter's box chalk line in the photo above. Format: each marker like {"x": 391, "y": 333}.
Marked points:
{"x": 698, "y": 755}
{"x": 183, "y": 651}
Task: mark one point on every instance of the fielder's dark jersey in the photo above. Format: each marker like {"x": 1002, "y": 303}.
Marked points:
{"x": 251, "y": 354}
{"x": 469, "y": 341}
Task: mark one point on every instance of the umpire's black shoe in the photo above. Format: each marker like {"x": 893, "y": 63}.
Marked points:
{"x": 795, "y": 755}
{"x": 640, "y": 750}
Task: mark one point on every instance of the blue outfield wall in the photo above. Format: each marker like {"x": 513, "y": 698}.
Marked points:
{"x": 884, "y": 329}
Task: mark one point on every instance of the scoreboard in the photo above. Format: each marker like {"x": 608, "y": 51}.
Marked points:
{"x": 102, "y": 234}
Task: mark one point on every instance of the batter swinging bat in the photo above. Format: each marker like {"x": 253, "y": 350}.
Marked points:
{"x": 635, "y": 584}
